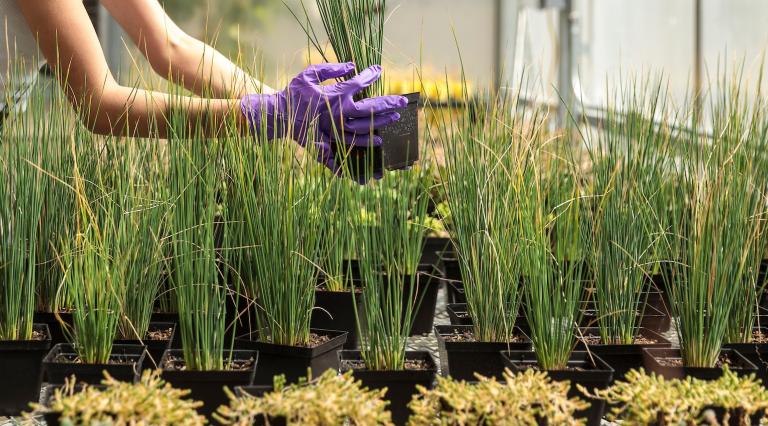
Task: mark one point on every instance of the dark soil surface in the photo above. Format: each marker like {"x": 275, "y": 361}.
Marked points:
{"x": 414, "y": 365}
{"x": 160, "y": 334}
{"x": 178, "y": 364}
{"x": 315, "y": 340}
{"x": 113, "y": 360}
{"x": 469, "y": 336}
{"x": 38, "y": 335}
{"x": 678, "y": 362}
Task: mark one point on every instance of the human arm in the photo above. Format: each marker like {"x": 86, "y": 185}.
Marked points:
{"x": 174, "y": 54}
{"x": 69, "y": 43}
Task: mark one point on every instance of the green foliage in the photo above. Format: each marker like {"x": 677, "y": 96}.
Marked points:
{"x": 644, "y": 399}
{"x": 524, "y": 399}
{"x": 150, "y": 402}
{"x": 329, "y": 400}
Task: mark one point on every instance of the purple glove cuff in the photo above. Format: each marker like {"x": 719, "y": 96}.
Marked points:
{"x": 263, "y": 110}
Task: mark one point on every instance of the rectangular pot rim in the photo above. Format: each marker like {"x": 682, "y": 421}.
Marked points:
{"x": 601, "y": 367}
{"x": 338, "y": 338}
{"x": 652, "y": 353}
{"x": 29, "y": 345}
{"x": 136, "y": 353}
{"x": 147, "y": 342}
{"x": 354, "y": 354}
{"x": 479, "y": 346}
{"x": 212, "y": 375}
{"x": 661, "y": 341}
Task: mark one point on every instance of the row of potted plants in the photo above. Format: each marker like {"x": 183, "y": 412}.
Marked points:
{"x": 529, "y": 398}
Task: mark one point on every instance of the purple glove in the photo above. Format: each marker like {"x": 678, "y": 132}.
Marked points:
{"x": 309, "y": 112}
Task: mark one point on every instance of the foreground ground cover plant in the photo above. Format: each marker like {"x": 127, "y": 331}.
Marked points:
{"x": 524, "y": 399}
{"x": 329, "y": 400}
{"x": 644, "y": 399}
{"x": 150, "y": 402}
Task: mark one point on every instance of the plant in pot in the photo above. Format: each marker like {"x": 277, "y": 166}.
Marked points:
{"x": 338, "y": 284}
{"x": 137, "y": 261}
{"x": 388, "y": 254}
{"x": 530, "y": 398}
{"x": 715, "y": 245}
{"x": 628, "y": 160}
{"x": 553, "y": 290}
{"x": 91, "y": 260}
{"x": 151, "y": 401}
{"x": 277, "y": 212}
{"x": 331, "y": 399}
{"x": 355, "y": 30}
{"x": 480, "y": 181}
{"x": 207, "y": 362}
{"x": 649, "y": 399}
{"x": 23, "y": 343}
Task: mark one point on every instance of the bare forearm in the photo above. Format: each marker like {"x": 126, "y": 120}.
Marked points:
{"x": 126, "y": 111}
{"x": 206, "y": 72}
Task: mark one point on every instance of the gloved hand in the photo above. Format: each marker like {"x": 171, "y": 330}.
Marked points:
{"x": 309, "y": 112}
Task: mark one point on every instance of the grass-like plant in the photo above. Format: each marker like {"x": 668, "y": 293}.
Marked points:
{"x": 715, "y": 241}
{"x": 276, "y": 209}
{"x": 481, "y": 179}
{"x": 526, "y": 399}
{"x": 195, "y": 178}
{"x": 338, "y": 246}
{"x": 553, "y": 259}
{"x": 22, "y": 191}
{"x": 355, "y": 29}
{"x": 390, "y": 236}
{"x": 629, "y": 157}
{"x": 331, "y": 399}
{"x": 151, "y": 401}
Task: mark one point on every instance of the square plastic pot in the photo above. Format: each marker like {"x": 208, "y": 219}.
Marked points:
{"x": 54, "y": 326}
{"x": 126, "y": 363}
{"x": 400, "y": 384}
{"x": 335, "y": 310}
{"x": 586, "y": 370}
{"x": 21, "y": 371}
{"x": 652, "y": 318}
{"x": 400, "y": 147}
{"x": 457, "y": 314}
{"x": 424, "y": 287}
{"x": 155, "y": 348}
{"x": 293, "y": 361}
{"x": 622, "y": 358}
{"x": 653, "y": 360}
{"x": 208, "y": 386}
{"x": 433, "y": 247}
{"x": 461, "y": 359}
{"x": 169, "y": 317}
{"x": 756, "y": 353}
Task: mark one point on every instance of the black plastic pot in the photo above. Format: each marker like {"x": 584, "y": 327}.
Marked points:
{"x": 433, "y": 247}
{"x": 172, "y": 317}
{"x": 622, "y": 358}
{"x": 399, "y": 150}
{"x": 335, "y": 310}
{"x": 652, "y": 319}
{"x": 652, "y": 358}
{"x": 587, "y": 370}
{"x": 155, "y": 348}
{"x": 425, "y": 300}
{"x": 21, "y": 371}
{"x": 756, "y": 353}
{"x": 208, "y": 386}
{"x": 450, "y": 265}
{"x": 455, "y": 291}
{"x": 293, "y": 361}
{"x": 457, "y": 314}
{"x": 125, "y": 364}
{"x": 54, "y": 326}
{"x": 461, "y": 359}
{"x": 400, "y": 384}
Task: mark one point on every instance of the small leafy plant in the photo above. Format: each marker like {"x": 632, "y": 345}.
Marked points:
{"x": 150, "y": 402}
{"x": 329, "y": 400}
{"x": 525, "y": 399}
{"x": 644, "y": 399}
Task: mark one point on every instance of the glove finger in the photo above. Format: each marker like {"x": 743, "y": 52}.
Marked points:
{"x": 359, "y": 82}
{"x": 371, "y": 106}
{"x": 361, "y": 139}
{"x": 318, "y": 73}
{"x": 365, "y": 125}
